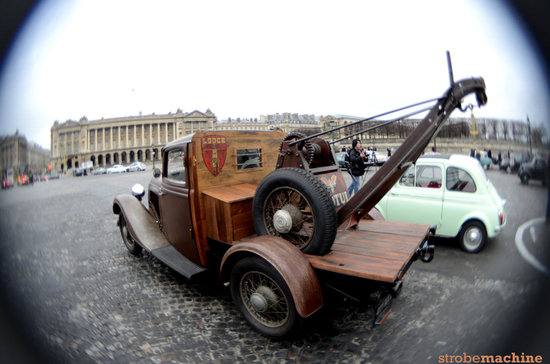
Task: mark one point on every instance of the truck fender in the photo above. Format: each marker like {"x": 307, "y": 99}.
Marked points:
{"x": 288, "y": 260}
{"x": 136, "y": 216}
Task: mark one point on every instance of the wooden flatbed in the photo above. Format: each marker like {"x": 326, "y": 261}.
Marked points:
{"x": 378, "y": 250}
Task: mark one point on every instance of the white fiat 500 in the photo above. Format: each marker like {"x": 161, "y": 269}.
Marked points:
{"x": 451, "y": 192}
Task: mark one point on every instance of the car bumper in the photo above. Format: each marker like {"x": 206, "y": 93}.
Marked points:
{"x": 499, "y": 228}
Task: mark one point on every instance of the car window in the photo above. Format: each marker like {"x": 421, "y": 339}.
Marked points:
{"x": 459, "y": 180}
{"x": 408, "y": 177}
{"x": 428, "y": 176}
{"x": 175, "y": 168}
{"x": 248, "y": 158}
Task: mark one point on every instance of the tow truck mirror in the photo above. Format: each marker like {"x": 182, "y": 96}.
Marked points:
{"x": 156, "y": 172}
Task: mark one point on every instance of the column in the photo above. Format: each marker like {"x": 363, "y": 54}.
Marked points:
{"x": 165, "y": 133}
{"x": 158, "y": 133}
{"x": 143, "y": 134}
{"x": 72, "y": 142}
{"x": 103, "y": 139}
{"x": 126, "y": 136}
{"x": 135, "y": 135}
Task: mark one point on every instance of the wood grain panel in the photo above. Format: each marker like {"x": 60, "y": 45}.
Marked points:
{"x": 376, "y": 250}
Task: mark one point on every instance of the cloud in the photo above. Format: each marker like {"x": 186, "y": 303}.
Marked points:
{"x": 246, "y": 58}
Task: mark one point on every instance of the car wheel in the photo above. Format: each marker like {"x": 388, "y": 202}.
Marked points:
{"x": 295, "y": 205}
{"x": 130, "y": 243}
{"x": 524, "y": 178}
{"x": 263, "y": 298}
{"x": 473, "y": 237}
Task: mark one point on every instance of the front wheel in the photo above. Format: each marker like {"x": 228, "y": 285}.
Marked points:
{"x": 263, "y": 298}
{"x": 130, "y": 243}
{"x": 524, "y": 178}
{"x": 473, "y": 237}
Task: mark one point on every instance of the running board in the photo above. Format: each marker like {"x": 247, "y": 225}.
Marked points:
{"x": 145, "y": 231}
{"x": 177, "y": 261}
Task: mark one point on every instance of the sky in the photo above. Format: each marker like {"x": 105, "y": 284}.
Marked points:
{"x": 104, "y": 58}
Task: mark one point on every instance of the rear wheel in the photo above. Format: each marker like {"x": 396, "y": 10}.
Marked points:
{"x": 473, "y": 237}
{"x": 130, "y": 243}
{"x": 263, "y": 298}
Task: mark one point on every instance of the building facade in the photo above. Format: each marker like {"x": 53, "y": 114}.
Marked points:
{"x": 121, "y": 140}
{"x": 18, "y": 156}
{"x": 139, "y": 138}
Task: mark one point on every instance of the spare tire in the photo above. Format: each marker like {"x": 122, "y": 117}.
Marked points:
{"x": 295, "y": 205}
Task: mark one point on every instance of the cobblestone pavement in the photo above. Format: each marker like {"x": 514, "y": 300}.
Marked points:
{"x": 72, "y": 293}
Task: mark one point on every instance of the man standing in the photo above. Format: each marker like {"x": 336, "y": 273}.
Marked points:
{"x": 356, "y": 166}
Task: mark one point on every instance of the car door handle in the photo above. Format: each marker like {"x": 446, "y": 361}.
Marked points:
{"x": 400, "y": 194}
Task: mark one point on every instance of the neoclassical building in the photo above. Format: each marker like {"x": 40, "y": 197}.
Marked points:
{"x": 124, "y": 140}
{"x": 17, "y": 155}
{"x": 120, "y": 140}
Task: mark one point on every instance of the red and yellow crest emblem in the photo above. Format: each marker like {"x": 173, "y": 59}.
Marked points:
{"x": 214, "y": 152}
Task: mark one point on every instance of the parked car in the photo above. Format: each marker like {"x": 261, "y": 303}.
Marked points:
{"x": 99, "y": 170}
{"x": 536, "y": 168}
{"x": 485, "y": 160}
{"x": 341, "y": 158}
{"x": 23, "y": 180}
{"x": 53, "y": 175}
{"x": 117, "y": 168}
{"x": 136, "y": 166}
{"x": 6, "y": 183}
{"x": 8, "y": 180}
{"x": 451, "y": 192}
{"x": 375, "y": 158}
{"x": 519, "y": 158}
{"x": 504, "y": 164}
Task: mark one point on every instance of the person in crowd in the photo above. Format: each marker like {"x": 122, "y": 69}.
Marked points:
{"x": 356, "y": 166}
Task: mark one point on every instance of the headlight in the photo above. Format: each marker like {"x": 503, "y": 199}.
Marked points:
{"x": 138, "y": 191}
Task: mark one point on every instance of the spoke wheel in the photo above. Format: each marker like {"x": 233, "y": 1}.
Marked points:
{"x": 263, "y": 297}
{"x": 295, "y": 205}
{"x": 130, "y": 243}
{"x": 288, "y": 213}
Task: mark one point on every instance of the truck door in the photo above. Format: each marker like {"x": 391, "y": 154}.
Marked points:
{"x": 174, "y": 203}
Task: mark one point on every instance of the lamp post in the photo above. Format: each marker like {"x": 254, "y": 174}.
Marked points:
{"x": 529, "y": 136}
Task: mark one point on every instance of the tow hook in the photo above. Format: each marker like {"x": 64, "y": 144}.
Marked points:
{"x": 426, "y": 252}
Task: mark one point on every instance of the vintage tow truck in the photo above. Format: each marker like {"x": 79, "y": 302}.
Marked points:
{"x": 270, "y": 215}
